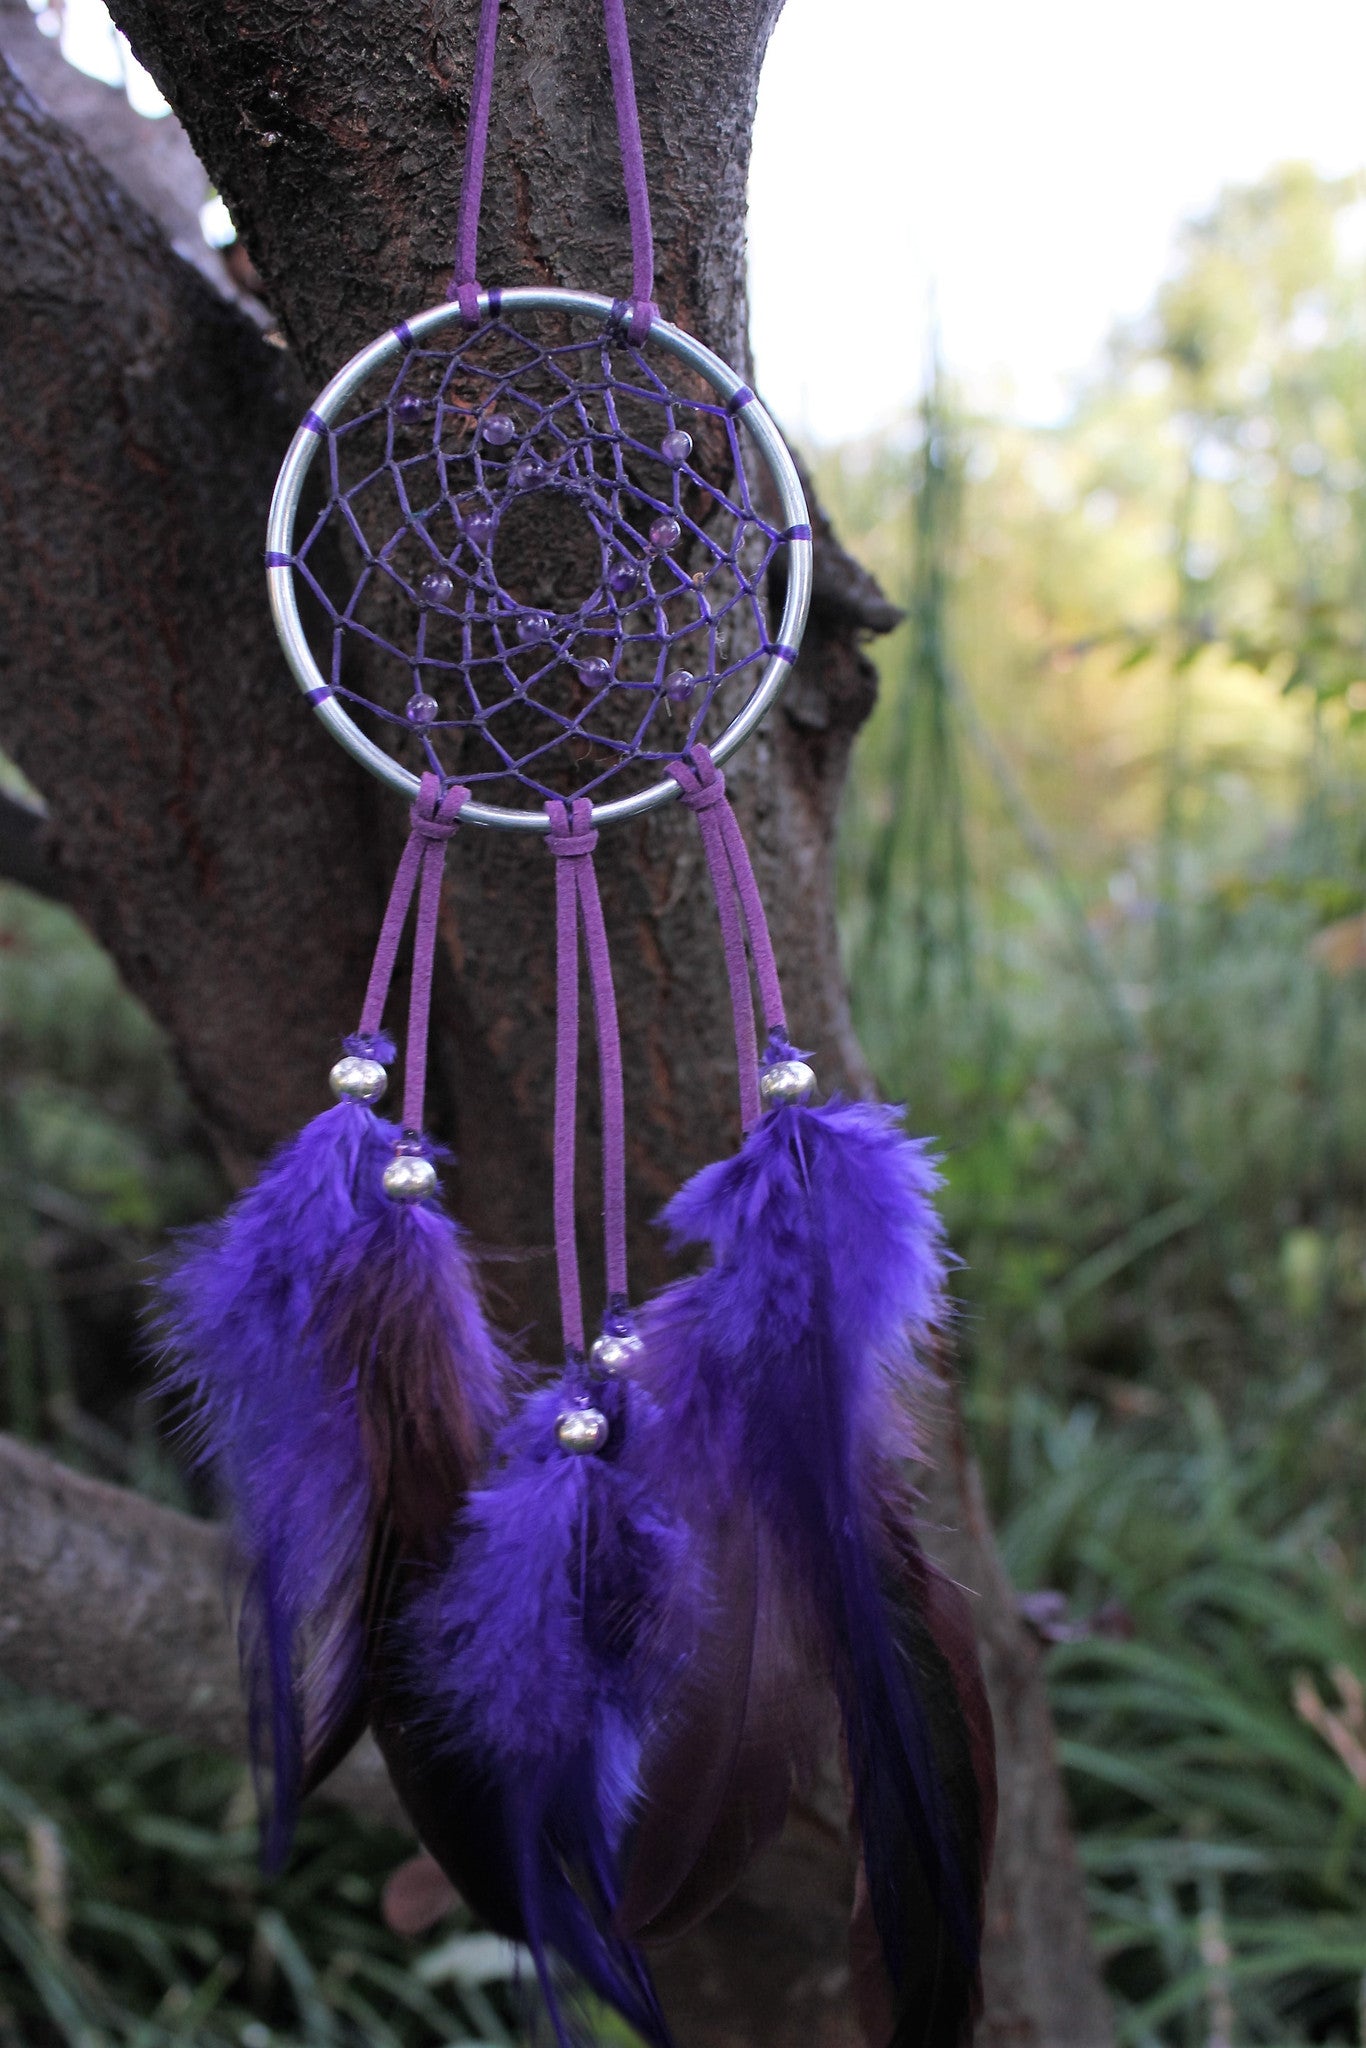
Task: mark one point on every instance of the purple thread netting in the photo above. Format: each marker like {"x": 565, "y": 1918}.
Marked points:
{"x": 554, "y": 692}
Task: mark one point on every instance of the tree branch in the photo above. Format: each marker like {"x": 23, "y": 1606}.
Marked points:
{"x": 151, "y": 159}
{"x": 120, "y": 1605}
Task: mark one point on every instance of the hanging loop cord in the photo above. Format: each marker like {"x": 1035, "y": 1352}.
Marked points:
{"x": 434, "y": 821}
{"x": 740, "y": 910}
{"x": 571, "y": 840}
{"x": 464, "y": 286}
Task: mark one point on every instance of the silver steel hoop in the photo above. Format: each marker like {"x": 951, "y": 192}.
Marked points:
{"x": 304, "y": 446}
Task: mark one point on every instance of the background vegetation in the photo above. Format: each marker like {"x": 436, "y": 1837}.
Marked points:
{"x": 1104, "y": 877}
{"x": 1104, "y": 873}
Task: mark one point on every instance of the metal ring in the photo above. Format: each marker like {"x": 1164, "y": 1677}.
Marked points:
{"x": 304, "y": 446}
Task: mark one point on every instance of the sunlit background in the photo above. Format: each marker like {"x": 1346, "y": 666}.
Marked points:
{"x": 1019, "y": 171}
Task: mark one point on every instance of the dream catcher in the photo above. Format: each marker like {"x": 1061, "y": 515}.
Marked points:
{"x": 594, "y": 1624}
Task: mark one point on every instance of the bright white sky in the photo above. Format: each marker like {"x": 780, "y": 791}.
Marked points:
{"x": 1022, "y": 166}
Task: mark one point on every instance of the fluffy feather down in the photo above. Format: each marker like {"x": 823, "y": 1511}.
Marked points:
{"x": 540, "y": 1655}
{"x": 262, "y": 1315}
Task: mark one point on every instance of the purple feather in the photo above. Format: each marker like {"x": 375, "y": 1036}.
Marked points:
{"x": 542, "y": 1653}
{"x": 259, "y": 1316}
{"x": 748, "y": 1724}
{"x": 784, "y": 1366}
{"x": 938, "y": 1997}
{"x": 400, "y": 1320}
{"x": 236, "y": 1312}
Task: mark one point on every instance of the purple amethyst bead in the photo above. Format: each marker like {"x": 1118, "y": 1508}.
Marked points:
{"x": 477, "y": 527}
{"x": 436, "y": 588}
{"x": 529, "y": 470}
{"x": 680, "y": 686}
{"x": 593, "y": 672}
{"x": 410, "y": 406}
{"x": 533, "y": 626}
{"x": 498, "y": 430}
{"x": 665, "y": 532}
{"x": 623, "y": 577}
{"x": 677, "y": 446}
{"x": 421, "y": 709}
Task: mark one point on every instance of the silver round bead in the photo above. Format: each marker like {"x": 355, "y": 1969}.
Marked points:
{"x": 409, "y": 1178}
{"x": 614, "y": 1354}
{"x": 357, "y": 1080}
{"x": 788, "y": 1081}
{"x": 582, "y": 1430}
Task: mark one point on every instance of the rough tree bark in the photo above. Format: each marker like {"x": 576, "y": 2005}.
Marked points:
{"x": 143, "y": 1594}
{"x": 232, "y": 862}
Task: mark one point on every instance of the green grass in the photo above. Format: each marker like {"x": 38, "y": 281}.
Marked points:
{"x": 132, "y": 1910}
{"x": 1224, "y": 1841}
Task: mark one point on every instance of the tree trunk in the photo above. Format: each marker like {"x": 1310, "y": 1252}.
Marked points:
{"x": 233, "y": 862}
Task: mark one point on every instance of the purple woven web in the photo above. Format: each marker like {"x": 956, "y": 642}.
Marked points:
{"x": 608, "y": 484}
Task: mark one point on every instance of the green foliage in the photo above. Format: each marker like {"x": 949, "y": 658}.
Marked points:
{"x": 100, "y": 1154}
{"x": 913, "y": 820}
{"x": 133, "y": 1915}
{"x": 1146, "y": 634}
{"x": 1223, "y": 1837}
{"x": 1149, "y": 1073}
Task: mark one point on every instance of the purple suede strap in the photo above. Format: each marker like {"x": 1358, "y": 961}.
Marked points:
{"x": 643, "y": 309}
{"x": 740, "y": 909}
{"x": 571, "y": 840}
{"x": 435, "y": 819}
{"x": 463, "y": 286}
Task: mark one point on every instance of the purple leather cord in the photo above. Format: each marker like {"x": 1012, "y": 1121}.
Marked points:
{"x": 740, "y": 910}
{"x": 435, "y": 820}
{"x": 572, "y": 840}
{"x": 632, "y": 168}
{"x": 463, "y": 286}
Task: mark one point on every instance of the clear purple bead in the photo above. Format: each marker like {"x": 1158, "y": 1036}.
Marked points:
{"x": 665, "y": 532}
{"x": 533, "y": 626}
{"x": 530, "y": 470}
{"x": 680, "y": 686}
{"x": 594, "y": 673}
{"x": 498, "y": 430}
{"x": 410, "y": 406}
{"x": 677, "y": 446}
{"x": 623, "y": 577}
{"x": 421, "y": 709}
{"x": 477, "y": 527}
{"x": 437, "y": 588}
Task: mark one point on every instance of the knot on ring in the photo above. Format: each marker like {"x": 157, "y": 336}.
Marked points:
{"x": 572, "y": 836}
{"x": 436, "y": 814}
{"x": 701, "y": 783}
